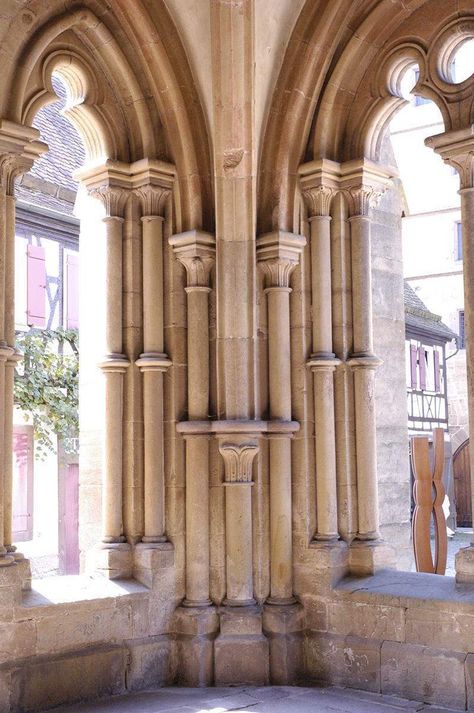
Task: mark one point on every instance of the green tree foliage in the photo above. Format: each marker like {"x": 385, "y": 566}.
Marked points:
{"x": 47, "y": 385}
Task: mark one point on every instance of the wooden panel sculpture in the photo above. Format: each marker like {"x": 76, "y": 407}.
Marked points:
{"x": 429, "y": 493}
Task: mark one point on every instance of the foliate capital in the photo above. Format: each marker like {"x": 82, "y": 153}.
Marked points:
{"x": 19, "y": 148}
{"x": 113, "y": 198}
{"x": 278, "y": 254}
{"x": 153, "y": 199}
{"x": 457, "y": 149}
{"x": 319, "y": 181}
{"x": 364, "y": 183}
{"x": 196, "y": 251}
{"x": 238, "y": 461}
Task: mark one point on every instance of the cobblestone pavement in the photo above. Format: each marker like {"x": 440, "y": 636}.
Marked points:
{"x": 270, "y": 699}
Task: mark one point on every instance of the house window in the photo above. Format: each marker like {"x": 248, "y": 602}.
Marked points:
{"x": 458, "y": 240}
{"x": 462, "y": 339}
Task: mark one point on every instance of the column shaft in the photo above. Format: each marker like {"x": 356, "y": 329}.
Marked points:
{"x": 361, "y": 284}
{"x": 153, "y": 363}
{"x": 154, "y": 466}
{"x": 366, "y": 449}
{"x": 281, "y": 575}
{"x": 198, "y": 352}
{"x": 153, "y": 332}
{"x": 364, "y": 363}
{"x": 197, "y": 521}
{"x": 114, "y": 368}
{"x": 323, "y": 363}
{"x": 467, "y": 216}
{"x": 238, "y": 526}
{"x": 112, "y": 481}
{"x": 321, "y": 284}
{"x": 10, "y": 339}
{"x": 113, "y": 284}
{"x": 326, "y": 486}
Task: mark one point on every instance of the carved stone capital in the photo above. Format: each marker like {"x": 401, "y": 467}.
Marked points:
{"x": 113, "y": 198}
{"x": 364, "y": 182}
{"x": 196, "y": 251}
{"x": 238, "y": 460}
{"x": 278, "y": 254}
{"x": 319, "y": 181}
{"x": 19, "y": 148}
{"x": 153, "y": 200}
{"x": 457, "y": 149}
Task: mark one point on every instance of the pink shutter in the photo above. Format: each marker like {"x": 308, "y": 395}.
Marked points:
{"x": 413, "y": 366}
{"x": 437, "y": 381}
{"x": 422, "y": 367}
{"x": 72, "y": 296}
{"x": 22, "y": 483}
{"x": 36, "y": 290}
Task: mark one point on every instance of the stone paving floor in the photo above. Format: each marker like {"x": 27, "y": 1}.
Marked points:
{"x": 270, "y": 699}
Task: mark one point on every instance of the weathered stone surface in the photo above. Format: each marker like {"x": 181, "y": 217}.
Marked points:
{"x": 424, "y": 674}
{"x": 343, "y": 660}
{"x": 241, "y": 659}
{"x": 17, "y": 640}
{"x": 370, "y": 622}
{"x": 46, "y": 682}
{"x": 149, "y": 663}
{"x": 469, "y": 670}
{"x": 438, "y": 628}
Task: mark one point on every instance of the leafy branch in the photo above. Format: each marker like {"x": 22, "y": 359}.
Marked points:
{"x": 47, "y": 385}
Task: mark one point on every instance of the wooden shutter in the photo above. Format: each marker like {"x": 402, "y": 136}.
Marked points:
{"x": 422, "y": 367}
{"x": 437, "y": 379}
{"x": 36, "y": 286}
{"x": 72, "y": 291}
{"x": 413, "y": 366}
{"x": 69, "y": 519}
{"x": 23, "y": 468}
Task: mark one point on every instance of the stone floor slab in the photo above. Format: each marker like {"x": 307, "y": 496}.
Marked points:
{"x": 271, "y": 699}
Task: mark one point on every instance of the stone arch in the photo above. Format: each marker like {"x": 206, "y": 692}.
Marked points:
{"x": 134, "y": 104}
{"x": 322, "y": 78}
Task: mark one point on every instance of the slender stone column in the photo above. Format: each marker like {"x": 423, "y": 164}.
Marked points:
{"x": 153, "y": 362}
{"x": 113, "y": 196}
{"x": 278, "y": 254}
{"x": 364, "y": 183}
{"x": 319, "y": 181}
{"x": 238, "y": 456}
{"x": 457, "y": 149}
{"x": 18, "y": 150}
{"x": 196, "y": 252}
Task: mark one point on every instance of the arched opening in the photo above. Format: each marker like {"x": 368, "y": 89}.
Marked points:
{"x": 435, "y": 355}
{"x": 46, "y": 420}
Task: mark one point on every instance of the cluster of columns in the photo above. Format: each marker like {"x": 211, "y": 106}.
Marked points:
{"x": 361, "y": 183}
{"x": 114, "y": 184}
{"x": 19, "y": 148}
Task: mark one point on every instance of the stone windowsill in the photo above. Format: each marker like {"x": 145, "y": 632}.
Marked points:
{"x": 72, "y": 589}
{"x": 406, "y": 589}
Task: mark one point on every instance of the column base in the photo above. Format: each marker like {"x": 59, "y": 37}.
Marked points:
{"x": 283, "y": 626}
{"x": 195, "y": 629}
{"x": 241, "y": 651}
{"x": 112, "y": 560}
{"x": 329, "y": 562}
{"x": 149, "y": 561}
{"x": 369, "y": 556}
{"x": 464, "y": 565}
{"x": 6, "y": 560}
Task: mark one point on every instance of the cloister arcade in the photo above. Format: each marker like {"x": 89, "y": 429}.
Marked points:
{"x": 238, "y": 336}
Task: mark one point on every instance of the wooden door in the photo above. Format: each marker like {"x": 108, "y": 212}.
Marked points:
{"x": 69, "y": 519}
{"x": 23, "y": 465}
{"x": 462, "y": 486}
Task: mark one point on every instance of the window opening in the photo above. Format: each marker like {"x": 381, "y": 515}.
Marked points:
{"x": 436, "y": 383}
{"x": 46, "y": 443}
